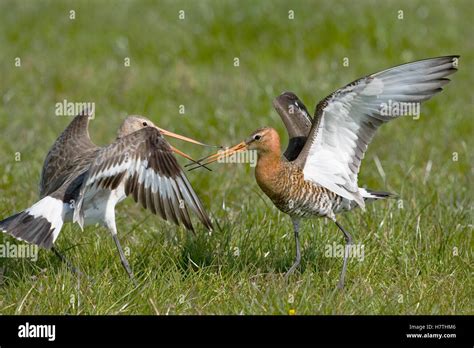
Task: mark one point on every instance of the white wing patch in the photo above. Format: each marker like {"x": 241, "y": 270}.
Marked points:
{"x": 350, "y": 117}
{"x": 53, "y": 210}
{"x": 327, "y": 158}
{"x": 374, "y": 87}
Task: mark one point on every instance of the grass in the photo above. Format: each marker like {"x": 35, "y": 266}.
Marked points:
{"x": 418, "y": 251}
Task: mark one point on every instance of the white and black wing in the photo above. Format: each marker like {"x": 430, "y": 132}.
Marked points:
{"x": 145, "y": 164}
{"x": 346, "y": 120}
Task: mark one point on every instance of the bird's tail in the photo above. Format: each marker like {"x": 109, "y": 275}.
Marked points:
{"x": 373, "y": 195}
{"x": 40, "y": 224}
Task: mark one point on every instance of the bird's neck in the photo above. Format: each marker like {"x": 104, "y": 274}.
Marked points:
{"x": 268, "y": 170}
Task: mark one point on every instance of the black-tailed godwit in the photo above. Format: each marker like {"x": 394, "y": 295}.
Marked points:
{"x": 317, "y": 176}
{"x": 82, "y": 182}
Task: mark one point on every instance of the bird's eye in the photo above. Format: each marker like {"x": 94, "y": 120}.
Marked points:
{"x": 257, "y": 137}
{"x": 145, "y": 124}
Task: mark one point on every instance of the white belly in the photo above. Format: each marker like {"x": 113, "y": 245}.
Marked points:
{"x": 99, "y": 205}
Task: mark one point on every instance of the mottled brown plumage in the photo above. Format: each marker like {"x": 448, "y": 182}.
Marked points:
{"x": 283, "y": 181}
{"x": 318, "y": 174}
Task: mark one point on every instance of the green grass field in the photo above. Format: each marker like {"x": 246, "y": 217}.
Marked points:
{"x": 418, "y": 250}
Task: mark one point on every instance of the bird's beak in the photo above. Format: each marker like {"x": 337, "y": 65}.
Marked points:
{"x": 181, "y": 137}
{"x": 221, "y": 154}
{"x": 181, "y": 153}
{"x": 189, "y": 140}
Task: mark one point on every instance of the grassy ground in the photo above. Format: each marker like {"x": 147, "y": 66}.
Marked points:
{"x": 418, "y": 251}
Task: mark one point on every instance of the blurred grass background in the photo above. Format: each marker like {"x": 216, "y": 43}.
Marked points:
{"x": 418, "y": 253}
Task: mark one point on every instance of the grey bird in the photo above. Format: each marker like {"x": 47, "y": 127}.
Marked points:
{"x": 81, "y": 182}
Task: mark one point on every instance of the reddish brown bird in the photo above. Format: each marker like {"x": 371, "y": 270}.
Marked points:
{"x": 317, "y": 177}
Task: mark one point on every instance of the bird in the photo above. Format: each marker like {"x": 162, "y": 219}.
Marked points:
{"x": 317, "y": 176}
{"x": 82, "y": 183}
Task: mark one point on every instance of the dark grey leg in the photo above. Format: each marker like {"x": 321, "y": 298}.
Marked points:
{"x": 296, "y": 228}
{"x": 125, "y": 263}
{"x": 348, "y": 239}
{"x": 66, "y": 261}
{"x": 110, "y": 223}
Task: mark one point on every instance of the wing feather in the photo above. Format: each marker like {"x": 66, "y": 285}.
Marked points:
{"x": 60, "y": 160}
{"x": 297, "y": 121}
{"x": 144, "y": 162}
{"x": 346, "y": 121}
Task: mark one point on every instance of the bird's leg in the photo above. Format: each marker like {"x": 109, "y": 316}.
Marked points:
{"x": 66, "y": 261}
{"x": 296, "y": 227}
{"x": 348, "y": 239}
{"x": 125, "y": 263}
{"x": 69, "y": 265}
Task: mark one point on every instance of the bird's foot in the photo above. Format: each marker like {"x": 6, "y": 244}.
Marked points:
{"x": 291, "y": 270}
{"x": 340, "y": 284}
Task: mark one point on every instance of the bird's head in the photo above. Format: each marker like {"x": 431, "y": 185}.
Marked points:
{"x": 263, "y": 140}
{"x": 135, "y": 123}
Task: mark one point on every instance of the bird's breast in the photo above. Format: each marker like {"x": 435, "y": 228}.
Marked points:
{"x": 293, "y": 195}
{"x": 278, "y": 182}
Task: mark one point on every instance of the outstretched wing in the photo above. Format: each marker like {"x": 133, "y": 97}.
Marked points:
{"x": 348, "y": 119}
{"x": 297, "y": 121}
{"x": 59, "y": 161}
{"x": 145, "y": 164}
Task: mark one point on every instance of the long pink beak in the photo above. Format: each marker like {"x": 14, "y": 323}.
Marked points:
{"x": 181, "y": 137}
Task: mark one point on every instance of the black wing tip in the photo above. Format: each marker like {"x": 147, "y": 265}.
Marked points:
{"x": 383, "y": 194}
{"x": 451, "y": 56}
{"x": 443, "y": 60}
{"x": 284, "y": 98}
{"x": 454, "y": 61}
{"x": 188, "y": 225}
{"x": 436, "y": 60}
{"x": 202, "y": 215}
{"x": 287, "y": 97}
{"x": 28, "y": 228}
{"x": 204, "y": 220}
{"x": 207, "y": 223}
{"x": 287, "y": 94}
{"x": 447, "y": 57}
